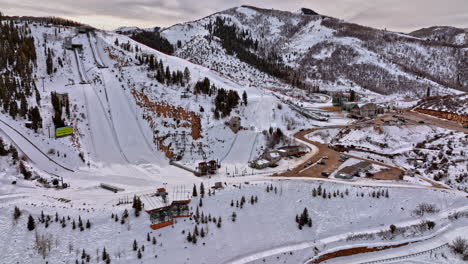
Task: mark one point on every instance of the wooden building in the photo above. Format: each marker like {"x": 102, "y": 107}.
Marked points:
{"x": 162, "y": 209}
{"x": 288, "y": 151}
{"x": 202, "y": 168}
{"x": 273, "y": 156}
{"x": 212, "y": 166}
{"x": 368, "y": 110}
{"x": 235, "y": 124}
{"x": 350, "y": 171}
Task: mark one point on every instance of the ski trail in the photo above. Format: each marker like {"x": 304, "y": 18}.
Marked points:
{"x": 230, "y": 148}
{"x": 106, "y": 142}
{"x": 253, "y": 146}
{"x": 129, "y": 134}
{"x": 80, "y": 67}
{"x": 97, "y": 57}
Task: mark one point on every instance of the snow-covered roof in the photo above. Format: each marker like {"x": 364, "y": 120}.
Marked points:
{"x": 275, "y": 154}
{"x": 153, "y": 202}
{"x": 262, "y": 162}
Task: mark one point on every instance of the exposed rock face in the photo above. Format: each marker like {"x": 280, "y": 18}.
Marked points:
{"x": 463, "y": 119}
{"x": 162, "y": 114}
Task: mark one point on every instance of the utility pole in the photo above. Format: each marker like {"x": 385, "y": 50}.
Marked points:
{"x": 43, "y": 88}
{"x": 48, "y": 129}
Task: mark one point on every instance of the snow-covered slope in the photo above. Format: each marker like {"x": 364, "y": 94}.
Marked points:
{"x": 327, "y": 51}
{"x": 122, "y": 115}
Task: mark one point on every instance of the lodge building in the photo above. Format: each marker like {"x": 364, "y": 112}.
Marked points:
{"x": 163, "y": 209}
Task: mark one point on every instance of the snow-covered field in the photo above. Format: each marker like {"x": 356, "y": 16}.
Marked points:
{"x": 259, "y": 227}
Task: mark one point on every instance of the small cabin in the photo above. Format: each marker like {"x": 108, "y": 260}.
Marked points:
{"x": 260, "y": 164}
{"x": 273, "y": 156}
{"x": 368, "y": 110}
{"x": 218, "y": 185}
{"x": 235, "y": 124}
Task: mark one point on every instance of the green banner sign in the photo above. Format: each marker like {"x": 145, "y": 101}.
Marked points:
{"x": 63, "y": 131}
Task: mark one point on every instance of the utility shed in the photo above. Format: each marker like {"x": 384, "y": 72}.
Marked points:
{"x": 273, "y": 156}
{"x": 260, "y": 164}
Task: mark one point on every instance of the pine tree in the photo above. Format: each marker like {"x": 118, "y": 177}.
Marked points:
{"x": 88, "y": 224}
{"x": 135, "y": 245}
{"x": 139, "y": 254}
{"x": 36, "y": 119}
{"x": 148, "y": 238}
{"x": 3, "y": 149}
{"x": 244, "y": 98}
{"x": 202, "y": 190}
{"x": 49, "y": 63}
{"x": 219, "y": 222}
{"x": 104, "y": 254}
{"x": 154, "y": 241}
{"x": 16, "y": 213}
{"x": 31, "y": 223}
{"x": 202, "y": 232}
{"x": 201, "y": 202}
{"x": 23, "y": 106}
{"x": 232, "y": 203}
{"x": 194, "y": 193}
{"x": 187, "y": 75}
{"x": 189, "y": 237}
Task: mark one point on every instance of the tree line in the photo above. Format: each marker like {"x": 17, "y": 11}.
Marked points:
{"x": 17, "y": 60}
{"x": 154, "y": 40}
{"x": 238, "y": 42}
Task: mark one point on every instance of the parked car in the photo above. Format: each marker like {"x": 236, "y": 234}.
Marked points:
{"x": 421, "y": 122}
{"x": 326, "y": 174}
{"x": 325, "y": 157}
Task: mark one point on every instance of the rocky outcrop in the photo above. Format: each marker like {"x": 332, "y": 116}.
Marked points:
{"x": 462, "y": 119}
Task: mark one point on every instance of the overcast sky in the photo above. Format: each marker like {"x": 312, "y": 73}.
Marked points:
{"x": 397, "y": 15}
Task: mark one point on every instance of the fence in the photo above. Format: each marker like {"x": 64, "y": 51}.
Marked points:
{"x": 405, "y": 256}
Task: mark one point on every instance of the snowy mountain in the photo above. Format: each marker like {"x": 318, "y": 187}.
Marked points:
{"x": 131, "y": 30}
{"x": 327, "y": 52}
{"x": 125, "y": 110}
{"x": 240, "y": 90}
